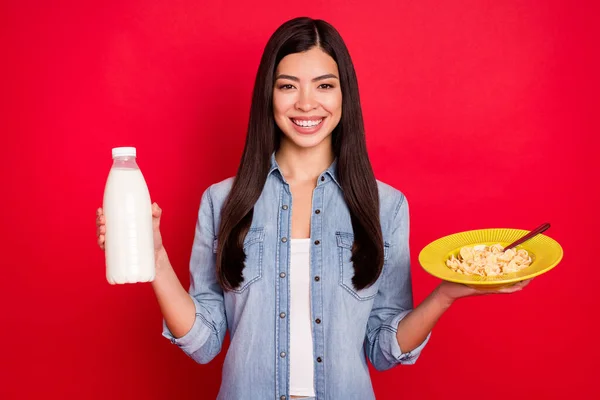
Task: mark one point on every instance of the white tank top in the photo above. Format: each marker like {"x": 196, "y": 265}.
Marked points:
{"x": 301, "y": 342}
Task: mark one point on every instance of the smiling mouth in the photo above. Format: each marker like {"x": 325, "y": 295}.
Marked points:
{"x": 307, "y": 123}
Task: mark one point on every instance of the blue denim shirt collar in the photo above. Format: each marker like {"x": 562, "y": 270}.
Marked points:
{"x": 329, "y": 174}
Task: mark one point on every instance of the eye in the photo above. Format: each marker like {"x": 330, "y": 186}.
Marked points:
{"x": 325, "y": 86}
{"x": 286, "y": 86}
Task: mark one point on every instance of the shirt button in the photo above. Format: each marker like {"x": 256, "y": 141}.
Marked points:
{"x": 317, "y": 211}
{"x": 317, "y": 278}
{"x": 282, "y": 315}
{"x": 282, "y": 354}
{"x": 319, "y": 359}
{"x": 282, "y": 398}
{"x": 285, "y": 207}
{"x": 318, "y": 321}
{"x": 282, "y": 275}
{"x": 284, "y": 239}
{"x": 317, "y": 242}
{"x": 322, "y": 179}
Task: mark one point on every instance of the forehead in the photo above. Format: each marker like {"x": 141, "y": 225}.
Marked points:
{"x": 308, "y": 64}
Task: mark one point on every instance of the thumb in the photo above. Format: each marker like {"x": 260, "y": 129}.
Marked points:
{"x": 156, "y": 212}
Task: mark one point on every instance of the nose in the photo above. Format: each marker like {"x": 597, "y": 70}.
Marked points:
{"x": 306, "y": 101}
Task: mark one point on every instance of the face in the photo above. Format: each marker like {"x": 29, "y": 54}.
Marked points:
{"x": 307, "y": 98}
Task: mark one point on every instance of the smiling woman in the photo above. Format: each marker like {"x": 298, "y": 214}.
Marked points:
{"x": 303, "y": 255}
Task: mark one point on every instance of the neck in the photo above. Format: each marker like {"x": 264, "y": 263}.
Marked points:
{"x": 303, "y": 164}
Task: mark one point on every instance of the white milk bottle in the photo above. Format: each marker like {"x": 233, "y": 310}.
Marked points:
{"x": 129, "y": 242}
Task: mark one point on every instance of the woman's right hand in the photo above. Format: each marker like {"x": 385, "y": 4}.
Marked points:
{"x": 156, "y": 214}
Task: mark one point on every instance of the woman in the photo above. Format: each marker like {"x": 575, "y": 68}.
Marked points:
{"x": 304, "y": 255}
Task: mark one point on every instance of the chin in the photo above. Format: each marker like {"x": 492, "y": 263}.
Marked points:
{"x": 307, "y": 141}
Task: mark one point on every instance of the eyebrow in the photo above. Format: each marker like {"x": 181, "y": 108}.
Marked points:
{"x": 295, "y": 79}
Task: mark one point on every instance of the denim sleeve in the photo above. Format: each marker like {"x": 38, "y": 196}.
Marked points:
{"x": 393, "y": 301}
{"x": 205, "y": 339}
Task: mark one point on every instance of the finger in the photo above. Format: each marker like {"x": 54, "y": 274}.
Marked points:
{"x": 156, "y": 210}
{"x": 156, "y": 214}
{"x": 512, "y": 288}
{"x": 509, "y": 290}
{"x": 101, "y": 230}
{"x": 101, "y": 241}
{"x": 100, "y": 220}
{"x": 522, "y": 284}
{"x": 525, "y": 282}
{"x": 98, "y": 212}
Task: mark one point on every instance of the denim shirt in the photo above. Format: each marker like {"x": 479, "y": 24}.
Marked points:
{"x": 348, "y": 325}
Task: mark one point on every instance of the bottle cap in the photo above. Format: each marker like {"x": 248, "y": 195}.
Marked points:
{"x": 123, "y": 152}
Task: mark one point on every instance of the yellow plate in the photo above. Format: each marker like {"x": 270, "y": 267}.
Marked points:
{"x": 545, "y": 253}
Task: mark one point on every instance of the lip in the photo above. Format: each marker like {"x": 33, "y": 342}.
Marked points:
{"x": 307, "y": 130}
{"x": 310, "y": 118}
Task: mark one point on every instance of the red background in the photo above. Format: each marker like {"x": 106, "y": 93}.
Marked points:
{"x": 479, "y": 111}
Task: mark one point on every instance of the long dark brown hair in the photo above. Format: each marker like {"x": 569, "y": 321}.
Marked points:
{"x": 354, "y": 170}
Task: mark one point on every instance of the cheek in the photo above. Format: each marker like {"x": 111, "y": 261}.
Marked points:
{"x": 333, "y": 105}
{"x": 279, "y": 112}
{"x": 276, "y": 105}
{"x": 281, "y": 104}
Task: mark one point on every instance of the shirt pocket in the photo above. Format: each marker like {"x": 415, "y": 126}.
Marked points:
{"x": 344, "y": 245}
{"x": 253, "y": 248}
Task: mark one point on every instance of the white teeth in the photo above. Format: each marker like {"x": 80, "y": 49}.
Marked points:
{"x": 307, "y": 124}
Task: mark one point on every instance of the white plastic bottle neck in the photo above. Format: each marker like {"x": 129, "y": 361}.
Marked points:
{"x": 125, "y": 162}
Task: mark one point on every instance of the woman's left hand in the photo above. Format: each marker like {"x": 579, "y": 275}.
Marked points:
{"x": 452, "y": 291}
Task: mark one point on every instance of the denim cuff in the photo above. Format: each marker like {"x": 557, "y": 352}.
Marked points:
{"x": 389, "y": 342}
{"x": 196, "y": 337}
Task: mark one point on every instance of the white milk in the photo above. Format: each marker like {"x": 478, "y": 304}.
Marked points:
{"x": 129, "y": 245}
